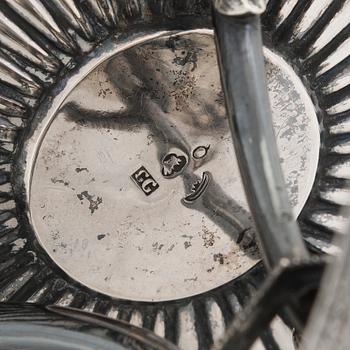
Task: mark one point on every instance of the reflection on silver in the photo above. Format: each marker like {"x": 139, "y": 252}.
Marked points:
{"x": 158, "y": 101}
{"x": 80, "y": 35}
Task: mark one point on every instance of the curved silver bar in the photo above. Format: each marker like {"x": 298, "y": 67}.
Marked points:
{"x": 239, "y": 46}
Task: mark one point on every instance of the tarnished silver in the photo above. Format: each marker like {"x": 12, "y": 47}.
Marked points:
{"x": 52, "y": 52}
{"x": 240, "y": 7}
{"x": 121, "y": 194}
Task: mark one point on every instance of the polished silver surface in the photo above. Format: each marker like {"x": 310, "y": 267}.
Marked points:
{"x": 133, "y": 187}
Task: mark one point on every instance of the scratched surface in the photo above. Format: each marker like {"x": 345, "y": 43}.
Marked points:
{"x": 159, "y": 107}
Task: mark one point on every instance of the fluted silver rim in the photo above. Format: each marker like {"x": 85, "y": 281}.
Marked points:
{"x": 43, "y": 40}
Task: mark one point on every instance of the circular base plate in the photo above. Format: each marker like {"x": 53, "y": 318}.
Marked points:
{"x": 135, "y": 190}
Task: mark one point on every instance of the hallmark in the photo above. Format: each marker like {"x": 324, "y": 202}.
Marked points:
{"x": 144, "y": 180}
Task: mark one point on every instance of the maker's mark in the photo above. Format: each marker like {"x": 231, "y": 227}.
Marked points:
{"x": 144, "y": 180}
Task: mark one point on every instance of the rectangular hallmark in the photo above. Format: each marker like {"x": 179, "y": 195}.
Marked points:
{"x": 144, "y": 181}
